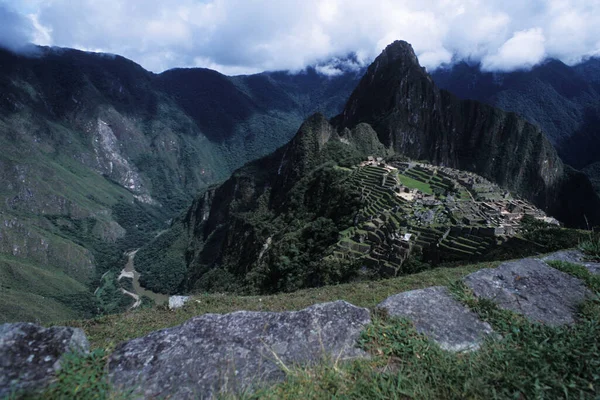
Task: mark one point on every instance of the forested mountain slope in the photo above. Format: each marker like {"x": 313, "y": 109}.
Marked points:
{"x": 98, "y": 154}
{"x": 564, "y": 101}
{"x": 277, "y": 223}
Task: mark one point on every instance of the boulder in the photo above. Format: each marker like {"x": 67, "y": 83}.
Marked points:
{"x": 574, "y": 257}
{"x": 230, "y": 353}
{"x": 177, "y": 301}
{"x": 532, "y": 288}
{"x": 440, "y": 317}
{"x": 30, "y": 355}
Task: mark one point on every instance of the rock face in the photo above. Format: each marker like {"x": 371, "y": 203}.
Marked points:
{"x": 30, "y": 354}
{"x": 213, "y": 353}
{"x": 574, "y": 257}
{"x": 531, "y": 288}
{"x": 563, "y": 100}
{"x": 443, "y": 319}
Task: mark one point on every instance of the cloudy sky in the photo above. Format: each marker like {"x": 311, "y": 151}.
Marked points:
{"x": 245, "y": 36}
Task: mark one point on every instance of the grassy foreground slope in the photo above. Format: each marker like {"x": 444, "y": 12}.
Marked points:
{"x": 106, "y": 331}
{"x": 527, "y": 361}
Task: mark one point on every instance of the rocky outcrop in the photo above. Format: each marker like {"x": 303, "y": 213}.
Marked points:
{"x": 30, "y": 355}
{"x": 574, "y": 257}
{"x": 214, "y": 354}
{"x": 440, "y": 317}
{"x": 532, "y": 288}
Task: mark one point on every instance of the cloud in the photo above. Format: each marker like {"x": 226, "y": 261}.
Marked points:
{"x": 337, "y": 66}
{"x": 524, "y": 50}
{"x": 16, "y": 30}
{"x": 243, "y": 36}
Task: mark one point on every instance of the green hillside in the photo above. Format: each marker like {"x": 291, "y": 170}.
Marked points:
{"x": 99, "y": 155}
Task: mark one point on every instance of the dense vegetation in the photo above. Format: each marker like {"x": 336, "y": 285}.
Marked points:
{"x": 299, "y": 231}
{"x": 282, "y": 239}
{"x": 591, "y": 247}
{"x": 109, "y": 153}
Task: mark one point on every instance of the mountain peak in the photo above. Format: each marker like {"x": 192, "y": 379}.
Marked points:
{"x": 395, "y": 80}
{"x": 398, "y": 50}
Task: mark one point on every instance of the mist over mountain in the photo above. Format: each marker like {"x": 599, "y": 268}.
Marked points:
{"x": 101, "y": 155}
{"x": 299, "y": 199}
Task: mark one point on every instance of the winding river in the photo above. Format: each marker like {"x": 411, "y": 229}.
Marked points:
{"x": 130, "y": 272}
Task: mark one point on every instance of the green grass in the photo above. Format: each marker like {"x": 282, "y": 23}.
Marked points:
{"x": 591, "y": 248}
{"x": 29, "y": 292}
{"x": 529, "y": 361}
{"x": 108, "y": 330}
{"x": 525, "y": 360}
{"x": 16, "y": 305}
{"x": 415, "y": 184}
{"x": 83, "y": 377}
{"x": 578, "y": 271}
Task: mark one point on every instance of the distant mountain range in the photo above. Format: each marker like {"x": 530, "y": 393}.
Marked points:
{"x": 564, "y": 101}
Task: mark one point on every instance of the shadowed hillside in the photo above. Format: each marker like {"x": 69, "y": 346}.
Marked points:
{"x": 564, "y": 101}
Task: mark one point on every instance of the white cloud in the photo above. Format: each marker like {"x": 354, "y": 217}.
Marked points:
{"x": 337, "y": 66}
{"x": 329, "y": 70}
{"x": 238, "y": 36}
{"x": 524, "y": 50}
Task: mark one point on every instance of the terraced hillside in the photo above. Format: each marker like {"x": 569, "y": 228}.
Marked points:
{"x": 416, "y": 209}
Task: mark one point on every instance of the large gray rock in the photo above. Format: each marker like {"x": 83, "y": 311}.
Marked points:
{"x": 440, "y": 317}
{"x": 531, "y": 288}
{"x": 574, "y": 257}
{"x": 215, "y": 353}
{"x": 30, "y": 354}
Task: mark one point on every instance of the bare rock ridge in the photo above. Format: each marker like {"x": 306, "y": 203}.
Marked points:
{"x": 413, "y": 117}
{"x": 214, "y": 354}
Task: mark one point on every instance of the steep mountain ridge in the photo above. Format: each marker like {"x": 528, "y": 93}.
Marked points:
{"x": 411, "y": 115}
{"x": 564, "y": 101}
{"x": 99, "y": 154}
{"x": 272, "y": 225}
{"x": 294, "y": 192}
